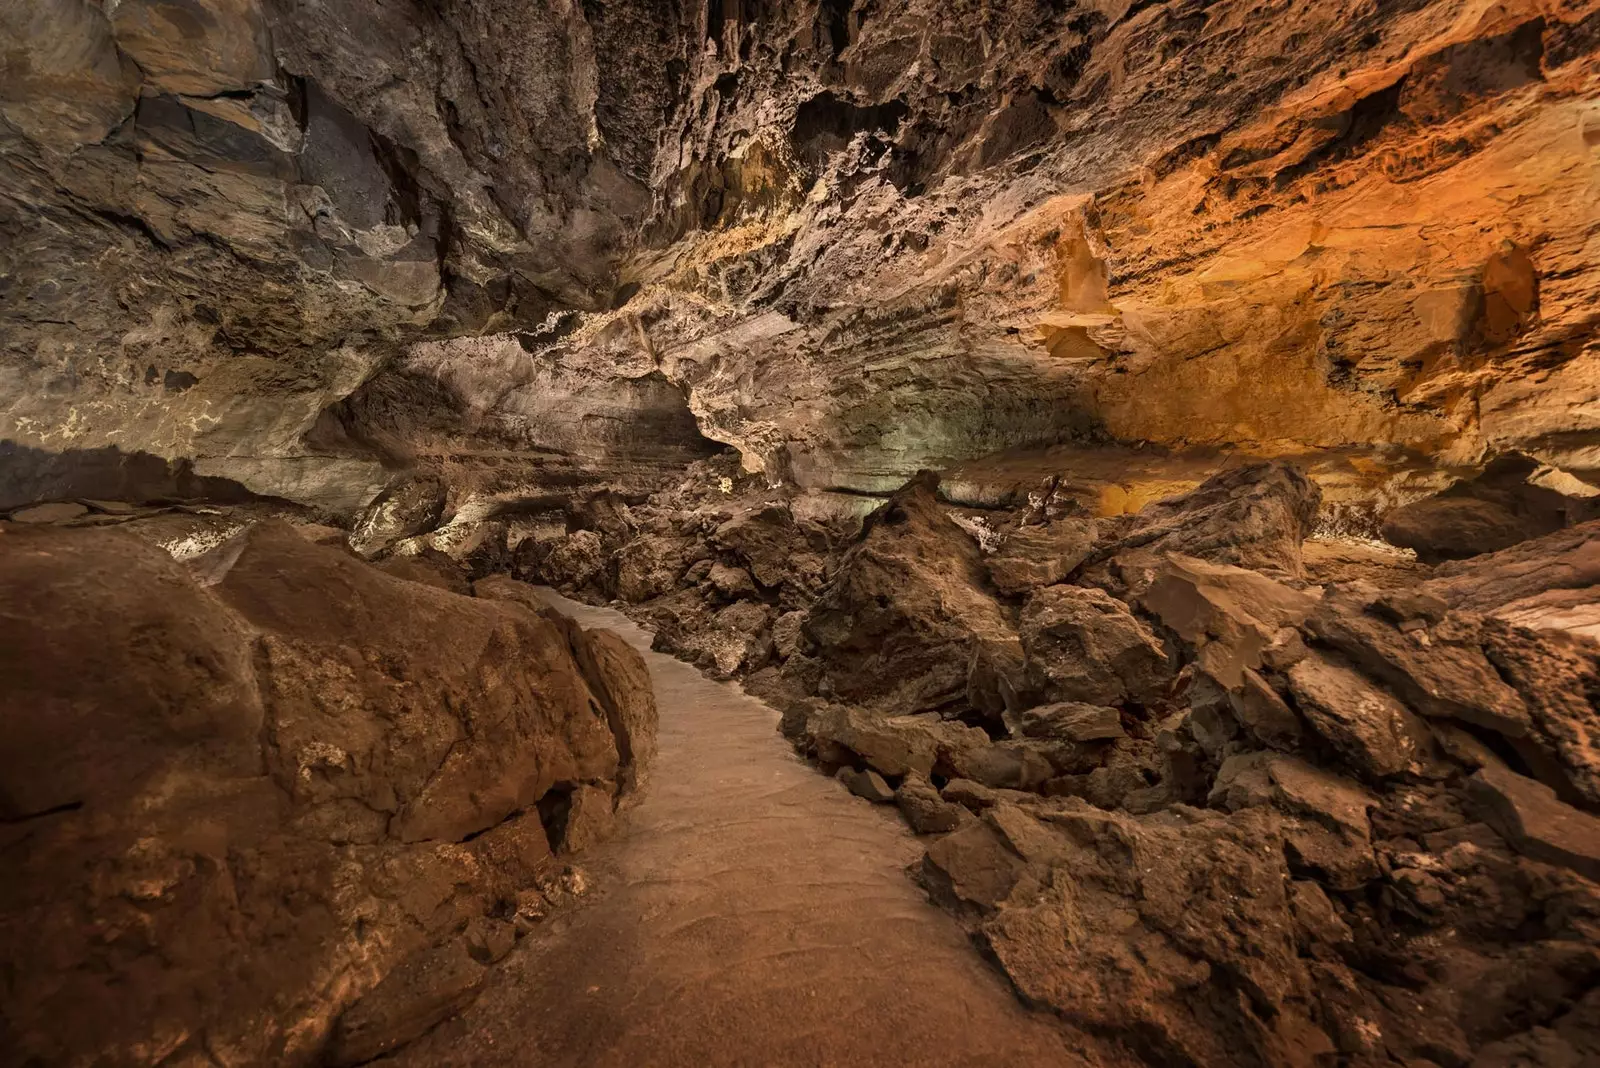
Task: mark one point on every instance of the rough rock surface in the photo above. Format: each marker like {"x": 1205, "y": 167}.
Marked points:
{"x": 295, "y": 246}
{"x": 234, "y": 811}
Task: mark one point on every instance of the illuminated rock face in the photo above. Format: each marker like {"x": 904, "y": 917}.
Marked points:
{"x": 849, "y": 239}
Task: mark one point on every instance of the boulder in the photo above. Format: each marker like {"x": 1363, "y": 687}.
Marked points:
{"x": 406, "y": 508}
{"x": 1227, "y": 614}
{"x": 764, "y": 539}
{"x": 1073, "y": 721}
{"x": 589, "y": 818}
{"x": 1497, "y": 509}
{"x": 867, "y": 784}
{"x": 1084, "y": 645}
{"x": 897, "y": 625}
{"x": 924, "y": 810}
{"x": 650, "y": 565}
{"x": 429, "y": 987}
{"x": 1369, "y": 727}
{"x": 428, "y": 566}
{"x": 1252, "y": 516}
{"x": 894, "y": 745}
{"x": 1432, "y": 662}
{"x": 573, "y": 562}
{"x": 311, "y": 767}
{"x": 732, "y": 583}
{"x": 1548, "y": 583}
{"x": 739, "y": 638}
{"x": 788, "y": 637}
{"x": 1558, "y": 677}
{"x": 1528, "y": 815}
{"x": 1033, "y": 556}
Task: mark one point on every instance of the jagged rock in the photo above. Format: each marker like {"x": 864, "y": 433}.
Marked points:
{"x": 428, "y": 987}
{"x": 733, "y": 583}
{"x": 788, "y": 638}
{"x": 894, "y": 745}
{"x": 1436, "y": 667}
{"x": 924, "y": 810}
{"x": 1497, "y": 509}
{"x": 1227, "y": 614}
{"x": 868, "y": 784}
{"x": 410, "y": 507}
{"x": 574, "y": 562}
{"x": 1373, "y": 730}
{"x": 765, "y": 538}
{"x": 1003, "y": 766}
{"x": 650, "y": 565}
{"x": 1558, "y": 677}
{"x": 1073, "y": 721}
{"x": 739, "y": 638}
{"x": 1084, "y": 645}
{"x": 1337, "y": 841}
{"x": 488, "y": 940}
{"x": 1033, "y": 556}
{"x": 971, "y": 867}
{"x": 1128, "y": 922}
{"x": 1258, "y": 707}
{"x": 307, "y": 721}
{"x": 1547, "y": 584}
{"x": 897, "y": 625}
{"x": 589, "y": 819}
{"x": 1252, "y": 516}
{"x": 1529, "y": 816}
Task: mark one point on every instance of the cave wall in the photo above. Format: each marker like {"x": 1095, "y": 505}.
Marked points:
{"x": 856, "y": 238}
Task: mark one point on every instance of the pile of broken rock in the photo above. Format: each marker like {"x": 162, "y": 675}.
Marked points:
{"x": 276, "y": 806}
{"x": 1186, "y": 793}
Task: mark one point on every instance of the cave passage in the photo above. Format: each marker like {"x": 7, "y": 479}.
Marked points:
{"x": 751, "y": 912}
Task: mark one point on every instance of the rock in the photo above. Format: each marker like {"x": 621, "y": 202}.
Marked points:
{"x": 1497, "y": 509}
{"x": 1124, "y": 924}
{"x": 868, "y": 784}
{"x": 1227, "y": 614}
{"x": 1373, "y": 730}
{"x": 897, "y": 625}
{"x": 428, "y": 988}
{"x": 487, "y": 940}
{"x": 649, "y": 566}
{"x": 431, "y": 567}
{"x": 788, "y": 637}
{"x": 1251, "y": 516}
{"x": 1528, "y": 815}
{"x": 54, "y": 512}
{"x": 924, "y": 810}
{"x": 1084, "y": 645}
{"x": 765, "y": 539}
{"x": 1438, "y": 670}
{"x": 740, "y": 638}
{"x": 1073, "y": 721}
{"x": 1004, "y": 766}
{"x": 406, "y": 508}
{"x": 1258, "y": 707}
{"x": 378, "y": 746}
{"x": 894, "y": 745}
{"x": 733, "y": 583}
{"x": 574, "y": 562}
{"x": 1033, "y": 556}
{"x": 971, "y": 867}
{"x": 589, "y": 819}
{"x": 1558, "y": 678}
{"x": 1547, "y": 583}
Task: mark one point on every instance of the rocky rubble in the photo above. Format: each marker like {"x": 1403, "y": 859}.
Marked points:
{"x": 1183, "y": 795}
{"x": 272, "y": 805}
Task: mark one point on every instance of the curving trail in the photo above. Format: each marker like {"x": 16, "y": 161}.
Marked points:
{"x": 750, "y": 913}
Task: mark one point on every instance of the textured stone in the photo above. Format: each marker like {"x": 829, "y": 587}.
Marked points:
{"x": 1527, "y": 813}
{"x": 1085, "y": 645}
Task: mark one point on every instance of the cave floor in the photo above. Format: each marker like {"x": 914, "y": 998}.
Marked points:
{"x": 751, "y": 912}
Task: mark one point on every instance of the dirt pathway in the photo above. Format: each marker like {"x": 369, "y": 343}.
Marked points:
{"x": 751, "y": 913}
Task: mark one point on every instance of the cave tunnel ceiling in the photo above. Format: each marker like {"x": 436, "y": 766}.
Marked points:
{"x": 301, "y": 246}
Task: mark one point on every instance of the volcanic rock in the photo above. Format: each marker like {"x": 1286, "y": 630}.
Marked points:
{"x": 1527, "y": 813}
{"x": 1084, "y": 645}
{"x": 1495, "y": 510}
{"x": 1033, "y": 556}
{"x": 428, "y": 987}
{"x": 1373, "y": 730}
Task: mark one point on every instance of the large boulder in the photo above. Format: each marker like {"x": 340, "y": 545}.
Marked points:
{"x": 1253, "y": 516}
{"x": 1034, "y": 556}
{"x": 246, "y": 804}
{"x": 407, "y": 507}
{"x": 1493, "y": 511}
{"x": 1549, "y": 583}
{"x": 908, "y": 605}
{"x": 1082, "y": 644}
